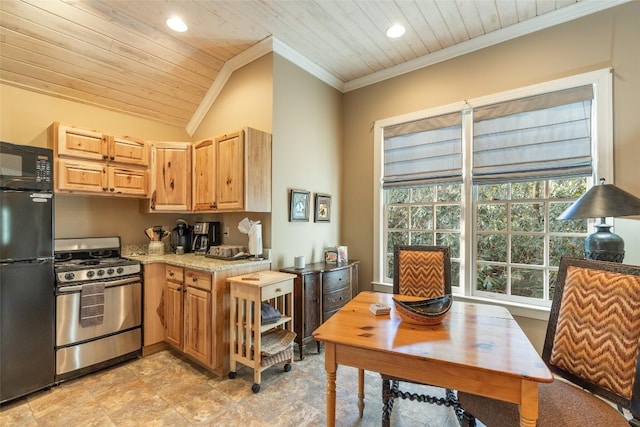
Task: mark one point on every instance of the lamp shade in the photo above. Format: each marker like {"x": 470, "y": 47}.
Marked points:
{"x": 602, "y": 201}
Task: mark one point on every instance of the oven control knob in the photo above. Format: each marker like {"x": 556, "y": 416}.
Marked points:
{"x": 90, "y": 273}
{"x": 110, "y": 271}
{"x": 69, "y": 276}
{"x": 101, "y": 272}
{"x": 120, "y": 270}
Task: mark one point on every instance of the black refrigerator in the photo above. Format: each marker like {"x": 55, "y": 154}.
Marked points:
{"x": 27, "y": 282}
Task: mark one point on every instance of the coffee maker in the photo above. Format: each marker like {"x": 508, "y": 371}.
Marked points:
{"x": 181, "y": 236}
{"x": 205, "y": 235}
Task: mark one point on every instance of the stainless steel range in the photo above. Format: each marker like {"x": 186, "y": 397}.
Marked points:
{"x": 98, "y": 306}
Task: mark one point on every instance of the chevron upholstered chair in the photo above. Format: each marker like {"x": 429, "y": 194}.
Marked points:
{"x": 423, "y": 271}
{"x": 593, "y": 348}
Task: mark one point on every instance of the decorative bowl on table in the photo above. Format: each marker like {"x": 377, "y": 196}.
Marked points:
{"x": 425, "y": 311}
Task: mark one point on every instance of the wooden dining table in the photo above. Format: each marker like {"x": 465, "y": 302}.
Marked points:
{"x": 478, "y": 348}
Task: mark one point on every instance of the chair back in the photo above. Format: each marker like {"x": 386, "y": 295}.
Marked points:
{"x": 423, "y": 271}
{"x": 593, "y": 335}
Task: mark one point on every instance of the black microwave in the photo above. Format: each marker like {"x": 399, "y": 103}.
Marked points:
{"x": 25, "y": 168}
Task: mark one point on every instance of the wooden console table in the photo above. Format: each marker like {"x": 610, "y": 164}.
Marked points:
{"x": 320, "y": 290}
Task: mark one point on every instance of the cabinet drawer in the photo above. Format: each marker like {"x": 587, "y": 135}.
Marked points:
{"x": 336, "y": 299}
{"x": 174, "y": 274}
{"x": 277, "y": 289}
{"x": 333, "y": 280}
{"x": 198, "y": 279}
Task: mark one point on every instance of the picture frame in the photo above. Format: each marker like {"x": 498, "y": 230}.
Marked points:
{"x": 342, "y": 253}
{"x": 330, "y": 255}
{"x": 322, "y": 211}
{"x": 299, "y": 205}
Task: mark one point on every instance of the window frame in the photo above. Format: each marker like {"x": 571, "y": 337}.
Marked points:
{"x": 602, "y": 155}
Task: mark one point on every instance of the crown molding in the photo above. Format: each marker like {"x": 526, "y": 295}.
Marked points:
{"x": 309, "y": 66}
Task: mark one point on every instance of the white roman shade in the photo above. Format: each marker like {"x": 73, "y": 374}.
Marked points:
{"x": 426, "y": 150}
{"x": 541, "y": 136}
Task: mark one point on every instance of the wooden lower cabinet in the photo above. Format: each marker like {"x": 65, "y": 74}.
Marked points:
{"x": 196, "y": 312}
{"x": 197, "y": 315}
{"x": 320, "y": 290}
{"x": 174, "y": 306}
{"x": 153, "y": 311}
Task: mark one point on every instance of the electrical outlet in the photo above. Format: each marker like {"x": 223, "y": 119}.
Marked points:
{"x": 226, "y": 231}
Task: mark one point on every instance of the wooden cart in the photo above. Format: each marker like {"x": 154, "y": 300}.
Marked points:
{"x": 252, "y": 343}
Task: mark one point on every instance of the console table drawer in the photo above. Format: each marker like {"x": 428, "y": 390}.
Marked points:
{"x": 334, "y": 280}
{"x": 334, "y": 300}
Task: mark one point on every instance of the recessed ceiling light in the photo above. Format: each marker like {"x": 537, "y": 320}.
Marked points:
{"x": 177, "y": 24}
{"x": 395, "y": 31}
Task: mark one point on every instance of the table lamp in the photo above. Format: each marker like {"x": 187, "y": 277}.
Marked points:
{"x": 601, "y": 201}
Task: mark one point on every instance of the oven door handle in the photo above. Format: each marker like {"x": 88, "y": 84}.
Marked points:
{"x": 110, "y": 284}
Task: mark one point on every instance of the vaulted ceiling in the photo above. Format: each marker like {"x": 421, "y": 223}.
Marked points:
{"x": 120, "y": 55}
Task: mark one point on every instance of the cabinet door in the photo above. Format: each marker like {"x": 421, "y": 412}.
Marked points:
{"x": 153, "y": 332}
{"x": 230, "y": 171}
{"x": 74, "y": 142}
{"x": 78, "y": 175}
{"x": 171, "y": 176}
{"x": 129, "y": 151}
{"x": 197, "y": 324}
{"x": 127, "y": 181}
{"x": 204, "y": 175}
{"x": 173, "y": 315}
{"x": 311, "y": 317}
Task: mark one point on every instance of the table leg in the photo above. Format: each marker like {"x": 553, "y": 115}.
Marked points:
{"x": 331, "y": 367}
{"x": 529, "y": 404}
{"x": 361, "y": 392}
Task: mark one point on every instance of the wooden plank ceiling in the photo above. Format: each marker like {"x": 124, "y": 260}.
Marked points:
{"x": 119, "y": 54}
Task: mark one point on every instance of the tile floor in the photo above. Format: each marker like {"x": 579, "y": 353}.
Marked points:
{"x": 164, "y": 389}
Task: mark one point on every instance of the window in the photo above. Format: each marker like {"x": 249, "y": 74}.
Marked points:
{"x": 488, "y": 177}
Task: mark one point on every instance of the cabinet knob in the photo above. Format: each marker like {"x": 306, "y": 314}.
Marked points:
{"x": 171, "y": 273}
{"x": 112, "y": 189}
{"x": 112, "y": 158}
{"x": 278, "y": 289}
{"x": 104, "y": 188}
{"x": 105, "y": 157}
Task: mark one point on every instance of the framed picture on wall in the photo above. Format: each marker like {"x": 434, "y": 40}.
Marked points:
{"x": 323, "y": 208}
{"x": 299, "y": 205}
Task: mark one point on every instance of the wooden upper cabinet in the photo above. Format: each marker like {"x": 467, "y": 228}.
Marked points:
{"x": 233, "y": 172}
{"x": 81, "y": 143}
{"x": 93, "y": 145}
{"x": 128, "y": 150}
{"x": 170, "y": 177}
{"x": 203, "y": 175}
{"x": 94, "y": 163}
{"x": 81, "y": 176}
{"x": 257, "y": 171}
{"x": 127, "y": 180}
{"x": 230, "y": 171}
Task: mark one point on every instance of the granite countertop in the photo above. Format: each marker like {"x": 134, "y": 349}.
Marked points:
{"x": 196, "y": 262}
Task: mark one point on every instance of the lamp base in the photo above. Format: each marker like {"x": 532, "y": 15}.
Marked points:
{"x": 603, "y": 245}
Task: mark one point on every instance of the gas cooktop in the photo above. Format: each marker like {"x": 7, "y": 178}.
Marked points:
{"x": 91, "y": 259}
